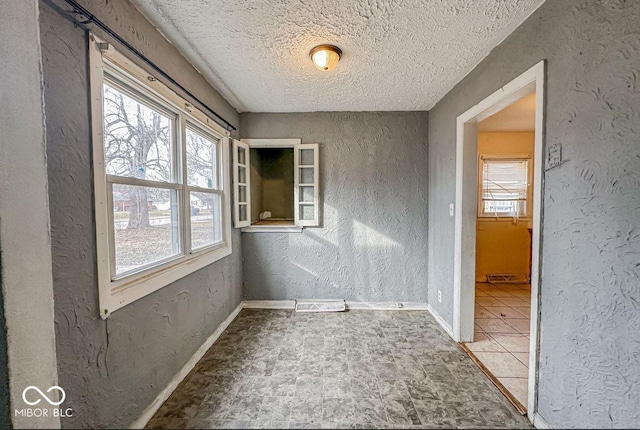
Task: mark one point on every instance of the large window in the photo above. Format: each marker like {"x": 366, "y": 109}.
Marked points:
{"x": 504, "y": 188}
{"x": 161, "y": 182}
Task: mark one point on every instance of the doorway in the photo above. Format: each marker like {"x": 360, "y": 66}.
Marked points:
{"x": 506, "y": 143}
{"x": 472, "y": 202}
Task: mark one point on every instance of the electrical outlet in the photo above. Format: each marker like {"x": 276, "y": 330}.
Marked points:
{"x": 440, "y": 296}
{"x": 450, "y": 209}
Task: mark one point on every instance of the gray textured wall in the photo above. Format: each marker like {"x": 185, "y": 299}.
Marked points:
{"x": 590, "y": 347}
{"x": 113, "y": 369}
{"x": 5, "y": 407}
{"x": 372, "y": 244}
{"x": 27, "y": 285}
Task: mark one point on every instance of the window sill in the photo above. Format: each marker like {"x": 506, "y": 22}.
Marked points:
{"x": 503, "y": 219}
{"x": 116, "y": 294}
{"x": 272, "y": 229}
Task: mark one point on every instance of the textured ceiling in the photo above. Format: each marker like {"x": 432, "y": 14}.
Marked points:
{"x": 397, "y": 54}
{"x": 519, "y": 116}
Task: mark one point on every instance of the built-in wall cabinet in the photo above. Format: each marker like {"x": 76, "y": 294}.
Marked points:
{"x": 276, "y": 185}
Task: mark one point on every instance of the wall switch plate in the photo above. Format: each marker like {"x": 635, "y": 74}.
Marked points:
{"x": 554, "y": 155}
{"x": 450, "y": 209}
{"x": 440, "y": 296}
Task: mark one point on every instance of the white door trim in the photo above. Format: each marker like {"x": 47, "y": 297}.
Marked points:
{"x": 466, "y": 211}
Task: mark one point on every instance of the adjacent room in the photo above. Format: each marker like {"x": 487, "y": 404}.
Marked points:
{"x": 320, "y": 214}
{"x": 501, "y": 341}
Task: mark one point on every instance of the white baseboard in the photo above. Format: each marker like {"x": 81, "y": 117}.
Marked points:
{"x": 388, "y": 306}
{"x": 445, "y": 325}
{"x": 148, "y": 413}
{"x": 540, "y": 423}
{"x": 378, "y": 306}
{"x": 269, "y": 304}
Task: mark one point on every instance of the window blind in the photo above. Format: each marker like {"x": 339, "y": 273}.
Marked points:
{"x": 505, "y": 187}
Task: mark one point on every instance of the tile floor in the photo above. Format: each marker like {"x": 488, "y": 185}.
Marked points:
{"x": 501, "y": 340}
{"x": 355, "y": 369}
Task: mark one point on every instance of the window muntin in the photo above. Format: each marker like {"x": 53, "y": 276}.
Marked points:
{"x": 241, "y": 163}
{"x": 504, "y": 187}
{"x": 154, "y": 155}
{"x": 306, "y": 185}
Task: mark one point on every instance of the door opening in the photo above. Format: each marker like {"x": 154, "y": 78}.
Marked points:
{"x": 506, "y": 142}
{"x": 508, "y": 195}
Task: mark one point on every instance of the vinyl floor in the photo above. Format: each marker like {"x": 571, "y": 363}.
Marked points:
{"x": 354, "y": 369}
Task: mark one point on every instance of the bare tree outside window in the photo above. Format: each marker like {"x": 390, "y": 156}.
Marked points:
{"x": 137, "y": 143}
{"x": 201, "y": 160}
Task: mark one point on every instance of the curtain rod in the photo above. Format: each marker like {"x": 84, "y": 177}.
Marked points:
{"x": 90, "y": 18}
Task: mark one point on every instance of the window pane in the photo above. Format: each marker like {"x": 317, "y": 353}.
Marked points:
{"x": 242, "y": 175}
{"x": 145, "y": 224}
{"x": 505, "y": 186}
{"x": 206, "y": 220}
{"x": 138, "y": 140}
{"x": 242, "y": 156}
{"x": 306, "y": 194}
{"x": 306, "y": 157}
{"x": 243, "y": 212}
{"x": 306, "y": 175}
{"x": 201, "y": 160}
{"x": 242, "y": 193}
{"x": 306, "y": 212}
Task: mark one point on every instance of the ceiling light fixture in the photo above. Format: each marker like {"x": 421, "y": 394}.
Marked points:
{"x": 325, "y": 57}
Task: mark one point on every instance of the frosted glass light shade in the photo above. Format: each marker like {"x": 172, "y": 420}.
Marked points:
{"x": 325, "y": 57}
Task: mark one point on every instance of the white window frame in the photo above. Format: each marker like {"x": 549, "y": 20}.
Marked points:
{"x": 297, "y": 225}
{"x": 116, "y": 292}
{"x": 505, "y": 157}
{"x": 297, "y": 185}
{"x": 239, "y": 223}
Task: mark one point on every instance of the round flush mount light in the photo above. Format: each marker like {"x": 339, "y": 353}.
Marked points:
{"x": 325, "y": 57}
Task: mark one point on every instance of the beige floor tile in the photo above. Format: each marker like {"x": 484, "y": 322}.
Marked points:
{"x": 503, "y": 311}
{"x": 482, "y": 312}
{"x": 499, "y": 292}
{"x": 522, "y": 325}
{"x": 518, "y": 387}
{"x": 512, "y": 301}
{"x": 501, "y": 339}
{"x": 502, "y": 364}
{"x": 512, "y": 287}
{"x": 512, "y": 342}
{"x": 494, "y": 325}
{"x": 521, "y": 293}
{"x": 524, "y": 310}
{"x": 492, "y": 301}
{"x": 523, "y": 357}
{"x": 483, "y": 342}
